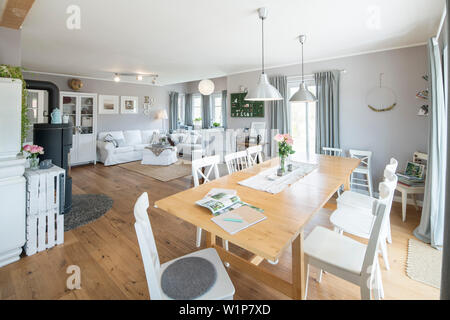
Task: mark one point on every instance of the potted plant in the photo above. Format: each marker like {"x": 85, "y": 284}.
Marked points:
{"x": 32, "y": 152}
{"x": 216, "y": 125}
{"x": 285, "y": 144}
{"x": 198, "y": 122}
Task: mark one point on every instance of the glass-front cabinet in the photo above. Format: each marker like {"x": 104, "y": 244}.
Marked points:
{"x": 81, "y": 108}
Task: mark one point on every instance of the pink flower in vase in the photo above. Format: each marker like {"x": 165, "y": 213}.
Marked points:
{"x": 27, "y": 148}
{"x": 279, "y": 138}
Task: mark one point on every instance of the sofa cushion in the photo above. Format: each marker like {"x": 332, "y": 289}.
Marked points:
{"x": 140, "y": 147}
{"x": 147, "y": 135}
{"x": 116, "y": 135}
{"x": 124, "y": 149}
{"x": 133, "y": 137}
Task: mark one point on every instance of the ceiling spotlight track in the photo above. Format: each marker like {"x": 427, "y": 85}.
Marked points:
{"x": 138, "y": 76}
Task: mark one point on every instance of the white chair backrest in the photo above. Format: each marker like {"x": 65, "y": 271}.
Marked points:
{"x": 199, "y": 164}
{"x": 147, "y": 245}
{"x": 254, "y": 155}
{"x": 364, "y": 156}
{"x": 391, "y": 179}
{"x": 379, "y": 210}
{"x": 334, "y": 152}
{"x": 237, "y": 161}
{"x": 392, "y": 166}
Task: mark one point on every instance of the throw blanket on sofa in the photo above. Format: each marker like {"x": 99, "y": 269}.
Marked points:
{"x": 158, "y": 149}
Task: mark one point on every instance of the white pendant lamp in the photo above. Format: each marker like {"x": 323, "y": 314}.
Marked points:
{"x": 206, "y": 87}
{"x": 303, "y": 94}
{"x": 264, "y": 91}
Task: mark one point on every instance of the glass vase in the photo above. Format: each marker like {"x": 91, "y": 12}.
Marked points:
{"x": 283, "y": 164}
{"x": 34, "y": 163}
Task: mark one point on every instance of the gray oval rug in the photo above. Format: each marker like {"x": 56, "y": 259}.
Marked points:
{"x": 85, "y": 209}
{"x": 188, "y": 278}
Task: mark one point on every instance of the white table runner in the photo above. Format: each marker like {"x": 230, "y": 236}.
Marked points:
{"x": 268, "y": 180}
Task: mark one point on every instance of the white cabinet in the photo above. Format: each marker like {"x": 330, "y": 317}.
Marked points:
{"x": 82, "y": 111}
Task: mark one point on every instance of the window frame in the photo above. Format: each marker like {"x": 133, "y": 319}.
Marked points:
{"x": 295, "y": 83}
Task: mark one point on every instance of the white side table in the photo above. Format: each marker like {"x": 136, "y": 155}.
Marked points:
{"x": 405, "y": 191}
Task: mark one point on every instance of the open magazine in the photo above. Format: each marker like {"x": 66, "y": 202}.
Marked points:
{"x": 220, "y": 201}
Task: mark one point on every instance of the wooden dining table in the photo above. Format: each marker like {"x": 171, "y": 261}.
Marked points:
{"x": 287, "y": 212}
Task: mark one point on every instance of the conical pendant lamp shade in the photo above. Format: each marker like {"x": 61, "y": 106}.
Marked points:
{"x": 303, "y": 95}
{"x": 263, "y": 91}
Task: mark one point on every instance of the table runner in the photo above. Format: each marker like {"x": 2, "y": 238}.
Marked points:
{"x": 268, "y": 180}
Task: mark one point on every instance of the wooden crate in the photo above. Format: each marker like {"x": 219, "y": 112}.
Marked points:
{"x": 45, "y": 221}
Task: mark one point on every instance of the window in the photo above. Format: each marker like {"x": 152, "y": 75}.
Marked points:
{"x": 181, "y": 108}
{"x": 303, "y": 121}
{"x": 196, "y": 106}
{"x": 217, "y": 105}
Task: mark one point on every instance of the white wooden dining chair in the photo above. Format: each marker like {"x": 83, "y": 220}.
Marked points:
{"x": 363, "y": 203}
{"x": 237, "y": 161}
{"x": 222, "y": 289}
{"x": 347, "y": 258}
{"x": 205, "y": 168}
{"x": 359, "y": 222}
{"x": 363, "y": 169}
{"x": 334, "y": 152}
{"x": 254, "y": 155}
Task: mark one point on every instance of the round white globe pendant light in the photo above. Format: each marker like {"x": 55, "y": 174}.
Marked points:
{"x": 206, "y": 87}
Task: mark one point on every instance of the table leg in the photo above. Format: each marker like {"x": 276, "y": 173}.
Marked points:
{"x": 415, "y": 201}
{"x": 298, "y": 268}
{"x": 404, "y": 203}
{"x": 347, "y": 184}
{"x": 210, "y": 240}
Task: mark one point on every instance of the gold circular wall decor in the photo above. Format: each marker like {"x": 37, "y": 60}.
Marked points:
{"x": 381, "y": 96}
{"x": 382, "y": 110}
{"x": 76, "y": 84}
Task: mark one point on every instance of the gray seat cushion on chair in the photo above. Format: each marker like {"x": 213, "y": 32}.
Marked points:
{"x": 188, "y": 278}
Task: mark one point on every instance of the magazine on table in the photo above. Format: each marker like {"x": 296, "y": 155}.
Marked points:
{"x": 220, "y": 201}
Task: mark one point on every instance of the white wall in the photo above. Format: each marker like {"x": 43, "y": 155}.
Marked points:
{"x": 119, "y": 121}
{"x": 398, "y": 133}
{"x": 10, "y": 50}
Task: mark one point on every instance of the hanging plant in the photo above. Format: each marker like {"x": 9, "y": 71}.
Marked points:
{"x": 16, "y": 73}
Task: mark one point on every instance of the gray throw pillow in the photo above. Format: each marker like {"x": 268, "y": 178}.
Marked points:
{"x": 110, "y": 138}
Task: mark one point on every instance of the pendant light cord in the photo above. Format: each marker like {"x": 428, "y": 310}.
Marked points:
{"x": 262, "y": 27}
{"x": 303, "y": 67}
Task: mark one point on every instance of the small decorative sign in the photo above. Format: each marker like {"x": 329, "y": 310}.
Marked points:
{"x": 240, "y": 108}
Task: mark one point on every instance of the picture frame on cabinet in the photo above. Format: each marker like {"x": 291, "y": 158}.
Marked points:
{"x": 108, "y": 104}
{"x": 129, "y": 105}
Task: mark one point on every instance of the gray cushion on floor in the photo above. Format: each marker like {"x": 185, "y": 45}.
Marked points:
{"x": 188, "y": 278}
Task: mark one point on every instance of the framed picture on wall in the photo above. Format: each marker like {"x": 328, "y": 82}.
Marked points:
{"x": 108, "y": 104}
{"x": 129, "y": 105}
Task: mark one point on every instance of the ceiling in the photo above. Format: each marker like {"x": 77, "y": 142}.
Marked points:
{"x": 190, "y": 40}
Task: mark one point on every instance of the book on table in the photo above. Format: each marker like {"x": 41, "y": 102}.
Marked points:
{"x": 230, "y": 213}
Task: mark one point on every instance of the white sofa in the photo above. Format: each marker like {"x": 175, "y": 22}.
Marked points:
{"x": 135, "y": 143}
{"x": 187, "y": 142}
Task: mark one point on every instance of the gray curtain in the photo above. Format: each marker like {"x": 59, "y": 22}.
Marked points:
{"x": 224, "y": 109}
{"x": 431, "y": 228}
{"x": 188, "y": 110}
{"x": 173, "y": 110}
{"x": 279, "y": 112}
{"x": 327, "y": 110}
{"x": 206, "y": 112}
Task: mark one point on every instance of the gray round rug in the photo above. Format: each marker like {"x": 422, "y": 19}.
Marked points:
{"x": 188, "y": 278}
{"x": 85, "y": 209}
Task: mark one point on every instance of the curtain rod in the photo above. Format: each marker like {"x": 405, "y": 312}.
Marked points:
{"x": 311, "y": 76}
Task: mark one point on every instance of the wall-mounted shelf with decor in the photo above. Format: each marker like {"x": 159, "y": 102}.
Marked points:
{"x": 241, "y": 108}
{"x": 423, "y": 96}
